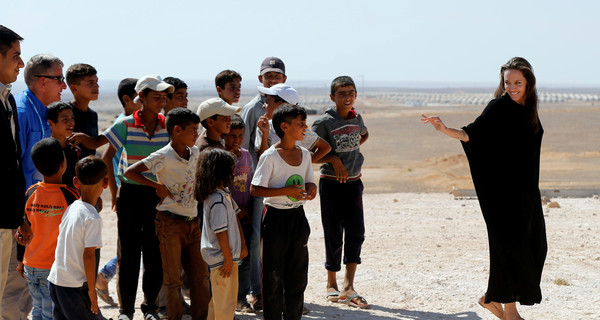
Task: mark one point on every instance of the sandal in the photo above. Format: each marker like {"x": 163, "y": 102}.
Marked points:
{"x": 333, "y": 296}
{"x": 356, "y": 301}
{"x": 105, "y": 296}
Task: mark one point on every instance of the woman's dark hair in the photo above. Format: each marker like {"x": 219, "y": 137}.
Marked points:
{"x": 214, "y": 170}
{"x": 531, "y": 97}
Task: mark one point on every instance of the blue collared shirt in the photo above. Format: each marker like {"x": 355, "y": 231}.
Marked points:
{"x": 33, "y": 127}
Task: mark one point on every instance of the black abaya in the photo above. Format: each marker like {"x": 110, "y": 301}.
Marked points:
{"x": 504, "y": 158}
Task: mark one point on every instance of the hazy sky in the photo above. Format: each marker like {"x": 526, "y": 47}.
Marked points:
{"x": 408, "y": 42}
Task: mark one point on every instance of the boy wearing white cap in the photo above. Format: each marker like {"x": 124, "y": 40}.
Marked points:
{"x": 215, "y": 116}
{"x": 139, "y": 134}
{"x": 276, "y": 96}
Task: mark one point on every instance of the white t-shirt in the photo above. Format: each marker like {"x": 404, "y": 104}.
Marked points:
{"x": 80, "y": 228}
{"x": 220, "y": 216}
{"x": 309, "y": 141}
{"x": 178, "y": 175}
{"x": 273, "y": 172}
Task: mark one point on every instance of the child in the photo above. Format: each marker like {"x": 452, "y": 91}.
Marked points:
{"x": 46, "y": 203}
{"x": 223, "y": 242}
{"x": 272, "y": 72}
{"x": 83, "y": 83}
{"x": 284, "y": 177}
{"x": 177, "y": 99}
{"x": 177, "y": 223}
{"x": 340, "y": 189}
{"x": 72, "y": 276}
{"x": 62, "y": 121}
{"x": 240, "y": 192}
{"x": 229, "y": 86}
{"x": 139, "y": 135}
{"x": 266, "y": 136}
{"x": 126, "y": 93}
{"x": 215, "y": 116}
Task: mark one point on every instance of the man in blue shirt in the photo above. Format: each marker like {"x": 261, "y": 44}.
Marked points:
{"x": 45, "y": 82}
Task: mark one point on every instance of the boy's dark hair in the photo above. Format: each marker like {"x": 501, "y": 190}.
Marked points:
{"x": 342, "y": 81}
{"x": 47, "y": 155}
{"x": 286, "y": 113}
{"x": 214, "y": 170}
{"x": 226, "y": 76}
{"x": 55, "y": 108}
{"x": 126, "y": 88}
{"x": 237, "y": 122}
{"x": 204, "y": 123}
{"x": 90, "y": 170}
{"x": 7, "y": 37}
{"x": 78, "y": 71}
{"x": 181, "y": 117}
{"x": 175, "y": 82}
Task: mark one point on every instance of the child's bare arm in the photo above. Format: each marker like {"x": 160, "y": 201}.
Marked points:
{"x": 107, "y": 157}
{"x": 244, "y": 251}
{"x": 225, "y": 270}
{"x": 135, "y": 173}
{"x": 87, "y": 141}
{"x": 364, "y": 137}
{"x": 263, "y": 127}
{"x": 89, "y": 264}
{"x": 295, "y": 191}
{"x": 321, "y": 148}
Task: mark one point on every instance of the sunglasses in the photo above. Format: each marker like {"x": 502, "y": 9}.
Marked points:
{"x": 60, "y": 79}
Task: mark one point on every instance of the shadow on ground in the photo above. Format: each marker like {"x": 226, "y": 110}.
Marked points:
{"x": 345, "y": 312}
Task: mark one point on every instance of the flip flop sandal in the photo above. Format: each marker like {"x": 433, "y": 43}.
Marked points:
{"x": 333, "y": 296}
{"x": 105, "y": 296}
{"x": 356, "y": 301}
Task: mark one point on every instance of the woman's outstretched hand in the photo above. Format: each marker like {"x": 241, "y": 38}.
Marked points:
{"x": 435, "y": 121}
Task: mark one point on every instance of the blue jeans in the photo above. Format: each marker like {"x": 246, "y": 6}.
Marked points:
{"x": 37, "y": 279}
{"x": 110, "y": 269}
{"x": 254, "y": 249}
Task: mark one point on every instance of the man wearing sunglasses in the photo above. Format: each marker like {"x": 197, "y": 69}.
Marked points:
{"x": 45, "y": 82}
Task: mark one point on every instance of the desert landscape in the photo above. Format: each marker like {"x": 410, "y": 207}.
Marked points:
{"x": 425, "y": 254}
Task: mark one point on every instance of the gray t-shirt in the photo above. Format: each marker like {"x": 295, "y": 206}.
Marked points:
{"x": 220, "y": 216}
{"x": 250, "y": 114}
{"x": 344, "y": 138}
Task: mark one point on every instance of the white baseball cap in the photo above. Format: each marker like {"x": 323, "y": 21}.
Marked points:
{"x": 214, "y": 106}
{"x": 153, "y": 82}
{"x": 282, "y": 90}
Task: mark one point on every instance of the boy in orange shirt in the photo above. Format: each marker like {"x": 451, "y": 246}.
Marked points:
{"x": 46, "y": 202}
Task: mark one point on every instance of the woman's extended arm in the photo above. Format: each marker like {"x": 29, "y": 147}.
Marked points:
{"x": 459, "y": 134}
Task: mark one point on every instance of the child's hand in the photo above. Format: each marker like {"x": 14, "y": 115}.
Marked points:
{"x": 162, "y": 192}
{"x": 94, "y": 300}
{"x": 21, "y": 269}
{"x": 225, "y": 270}
{"x": 245, "y": 216}
{"x": 263, "y": 125}
{"x": 340, "y": 171}
{"x": 296, "y": 191}
{"x": 311, "y": 191}
{"x": 244, "y": 252}
{"x": 23, "y": 234}
{"x": 76, "y": 138}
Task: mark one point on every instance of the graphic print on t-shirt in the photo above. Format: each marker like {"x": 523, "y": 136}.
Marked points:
{"x": 347, "y": 138}
{"x": 292, "y": 180}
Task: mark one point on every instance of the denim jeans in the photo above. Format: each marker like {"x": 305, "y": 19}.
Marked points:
{"x": 110, "y": 269}
{"x": 37, "y": 279}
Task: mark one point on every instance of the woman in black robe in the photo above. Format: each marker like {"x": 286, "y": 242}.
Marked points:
{"x": 503, "y": 149}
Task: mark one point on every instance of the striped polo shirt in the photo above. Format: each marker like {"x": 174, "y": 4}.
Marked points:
{"x": 131, "y": 134}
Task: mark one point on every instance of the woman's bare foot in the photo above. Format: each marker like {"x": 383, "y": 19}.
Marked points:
{"x": 493, "y": 307}
{"x": 510, "y": 312}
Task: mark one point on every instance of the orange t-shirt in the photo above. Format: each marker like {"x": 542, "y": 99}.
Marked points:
{"x": 46, "y": 203}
